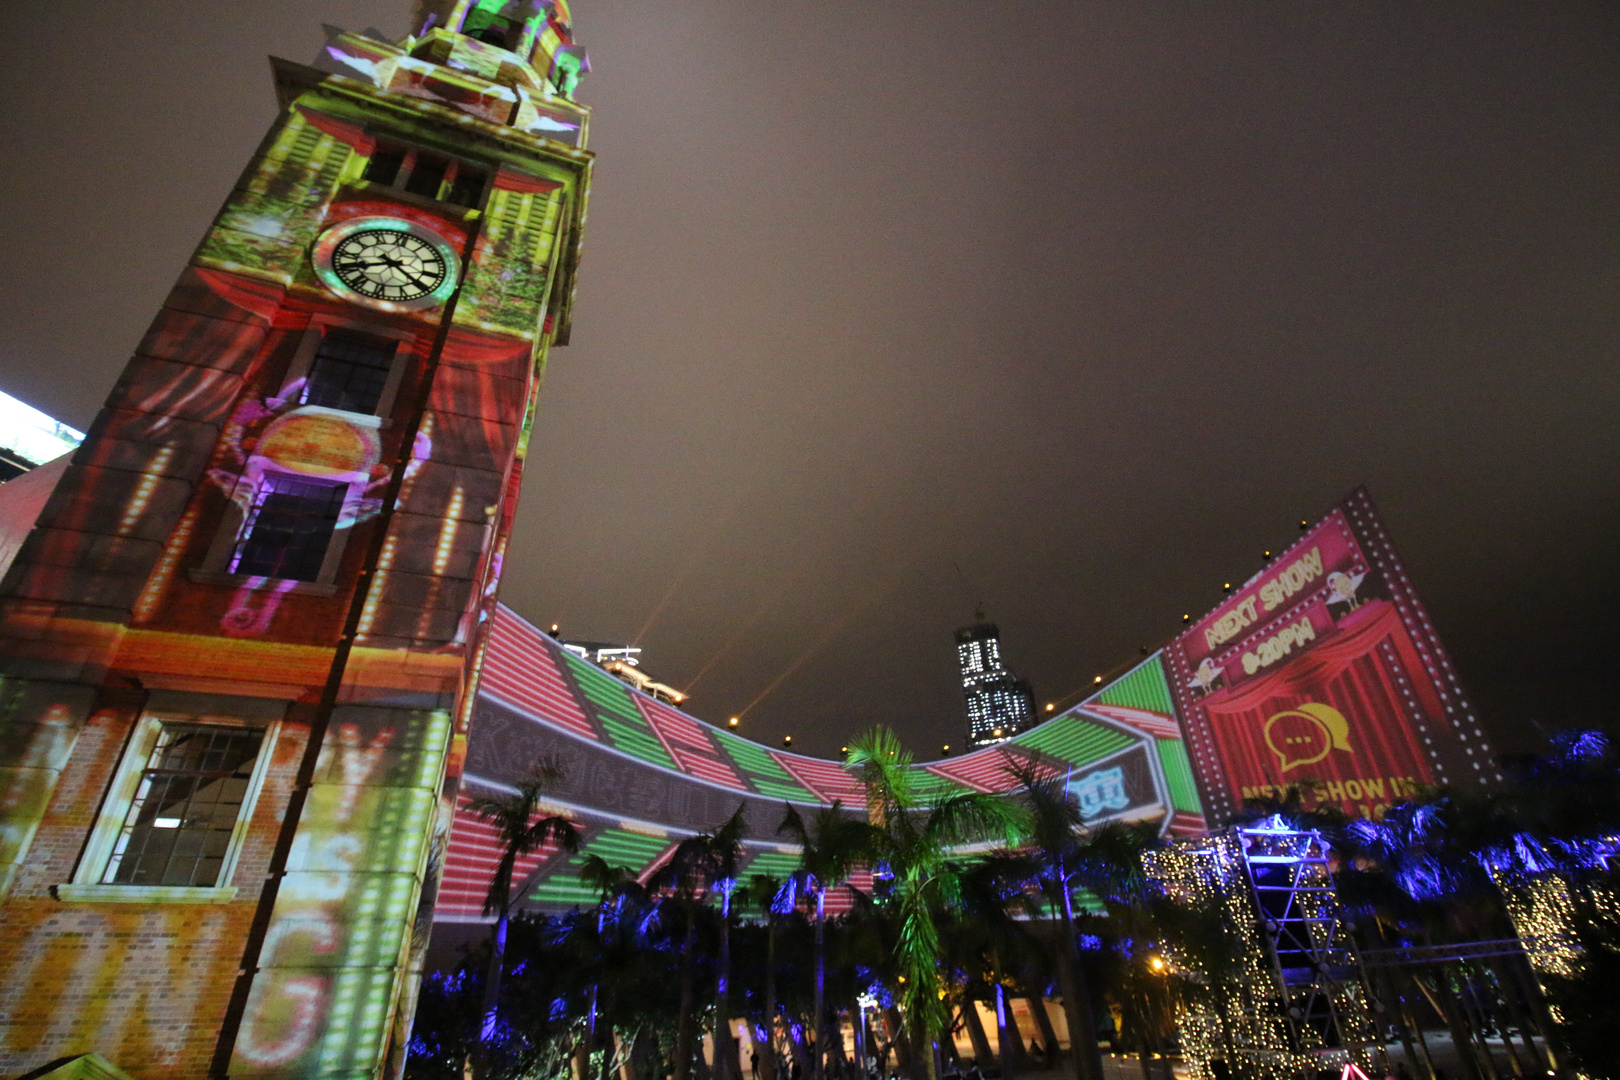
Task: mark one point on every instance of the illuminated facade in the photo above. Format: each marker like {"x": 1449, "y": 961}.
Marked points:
{"x": 1325, "y": 669}
{"x": 623, "y": 662}
{"x": 250, "y": 647}
{"x": 999, "y": 704}
{"x": 639, "y": 776}
{"x": 239, "y": 644}
{"x": 1162, "y": 742}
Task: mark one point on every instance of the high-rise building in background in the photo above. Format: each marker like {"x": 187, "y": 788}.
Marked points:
{"x": 999, "y": 704}
{"x": 242, "y": 636}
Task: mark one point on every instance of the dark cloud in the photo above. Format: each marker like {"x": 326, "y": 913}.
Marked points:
{"x": 1092, "y": 301}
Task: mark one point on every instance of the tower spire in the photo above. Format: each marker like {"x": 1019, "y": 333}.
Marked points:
{"x": 532, "y": 41}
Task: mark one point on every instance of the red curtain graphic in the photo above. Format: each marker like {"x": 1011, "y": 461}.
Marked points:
{"x": 1348, "y": 713}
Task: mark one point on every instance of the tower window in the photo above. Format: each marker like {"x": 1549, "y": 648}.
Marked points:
{"x": 384, "y": 166}
{"x": 180, "y": 826}
{"x": 496, "y": 33}
{"x": 422, "y": 172}
{"x": 427, "y": 174}
{"x": 289, "y": 528}
{"x": 349, "y": 372}
{"x": 467, "y": 188}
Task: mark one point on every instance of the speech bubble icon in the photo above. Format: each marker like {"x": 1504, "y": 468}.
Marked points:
{"x": 1306, "y": 735}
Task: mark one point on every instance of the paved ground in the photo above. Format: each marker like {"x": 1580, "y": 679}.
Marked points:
{"x": 1446, "y": 1059}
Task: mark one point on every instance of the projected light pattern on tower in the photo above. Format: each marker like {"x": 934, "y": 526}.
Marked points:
{"x": 285, "y": 532}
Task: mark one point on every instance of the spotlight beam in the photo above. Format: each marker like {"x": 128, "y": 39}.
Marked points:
{"x": 699, "y": 553}
{"x": 823, "y": 638}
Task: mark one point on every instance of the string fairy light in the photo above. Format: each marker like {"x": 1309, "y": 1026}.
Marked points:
{"x": 1248, "y": 1017}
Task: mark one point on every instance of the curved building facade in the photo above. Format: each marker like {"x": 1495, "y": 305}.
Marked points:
{"x": 1321, "y": 671}
{"x": 639, "y": 776}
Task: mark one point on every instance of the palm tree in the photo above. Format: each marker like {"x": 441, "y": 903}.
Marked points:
{"x": 1301, "y": 805}
{"x": 766, "y": 893}
{"x": 612, "y": 947}
{"x": 1063, "y": 856}
{"x": 993, "y": 950}
{"x": 702, "y": 863}
{"x": 1435, "y": 870}
{"x": 917, "y": 855}
{"x": 521, "y": 831}
{"x": 831, "y": 848}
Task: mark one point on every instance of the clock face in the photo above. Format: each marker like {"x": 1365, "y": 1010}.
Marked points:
{"x": 395, "y": 265}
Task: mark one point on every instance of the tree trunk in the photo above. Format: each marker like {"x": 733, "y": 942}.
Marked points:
{"x": 1511, "y": 1006}
{"x": 947, "y": 1048}
{"x": 582, "y": 1057}
{"x": 1474, "y": 1021}
{"x": 1537, "y": 1002}
{"x": 1412, "y": 1008}
{"x": 768, "y": 1054}
{"x": 1006, "y": 1032}
{"x": 1406, "y": 1034}
{"x": 820, "y": 1021}
{"x": 1077, "y": 1000}
{"x": 1443, "y": 1004}
{"x": 1049, "y": 1039}
{"x": 635, "y": 1062}
{"x": 975, "y": 1029}
{"x": 683, "y": 1022}
{"x": 924, "y": 1052}
{"x": 858, "y": 1028}
{"x": 1157, "y": 1032}
{"x": 725, "y": 1054}
{"x": 902, "y": 1043}
{"x": 492, "y": 996}
{"x": 1422, "y": 1040}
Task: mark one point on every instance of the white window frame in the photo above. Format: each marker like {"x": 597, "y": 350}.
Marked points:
{"x": 87, "y": 885}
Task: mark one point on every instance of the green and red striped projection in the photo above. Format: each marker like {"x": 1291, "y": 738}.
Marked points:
{"x": 639, "y": 776}
{"x": 1323, "y": 670}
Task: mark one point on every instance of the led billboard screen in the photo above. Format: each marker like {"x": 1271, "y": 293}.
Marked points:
{"x": 1323, "y": 670}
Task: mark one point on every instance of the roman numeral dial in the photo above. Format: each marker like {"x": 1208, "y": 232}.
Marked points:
{"x": 386, "y": 263}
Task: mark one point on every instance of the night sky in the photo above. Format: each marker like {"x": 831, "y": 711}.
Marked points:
{"x": 1092, "y": 302}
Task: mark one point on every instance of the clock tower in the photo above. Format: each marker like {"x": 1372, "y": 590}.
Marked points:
{"x": 239, "y": 647}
